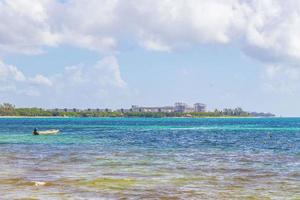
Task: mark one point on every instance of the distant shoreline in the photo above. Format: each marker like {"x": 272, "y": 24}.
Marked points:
{"x": 10, "y": 111}
{"x": 62, "y": 117}
{"x": 33, "y": 117}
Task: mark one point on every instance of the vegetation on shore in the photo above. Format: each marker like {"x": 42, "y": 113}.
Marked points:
{"x": 7, "y": 109}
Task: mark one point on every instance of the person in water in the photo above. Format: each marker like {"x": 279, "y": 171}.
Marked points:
{"x": 35, "y": 132}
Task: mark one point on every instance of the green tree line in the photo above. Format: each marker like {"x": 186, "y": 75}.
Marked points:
{"x": 7, "y": 109}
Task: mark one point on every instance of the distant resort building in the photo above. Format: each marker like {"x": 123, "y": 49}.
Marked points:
{"x": 167, "y": 109}
{"x": 178, "y": 107}
{"x": 136, "y": 108}
{"x": 123, "y": 110}
{"x": 199, "y": 107}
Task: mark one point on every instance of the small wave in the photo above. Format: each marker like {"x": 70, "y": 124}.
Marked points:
{"x": 23, "y": 182}
{"x": 39, "y": 183}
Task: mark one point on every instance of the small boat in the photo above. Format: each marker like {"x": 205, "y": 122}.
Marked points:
{"x": 46, "y": 132}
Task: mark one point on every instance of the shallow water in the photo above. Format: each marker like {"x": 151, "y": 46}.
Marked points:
{"x": 111, "y": 158}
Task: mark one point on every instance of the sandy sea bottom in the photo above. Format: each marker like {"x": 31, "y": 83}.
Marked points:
{"x": 115, "y": 158}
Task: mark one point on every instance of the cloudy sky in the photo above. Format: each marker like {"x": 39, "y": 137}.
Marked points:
{"x": 115, "y": 53}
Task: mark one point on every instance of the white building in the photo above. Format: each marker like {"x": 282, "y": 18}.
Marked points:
{"x": 180, "y": 107}
{"x": 166, "y": 109}
{"x": 199, "y": 107}
{"x": 136, "y": 108}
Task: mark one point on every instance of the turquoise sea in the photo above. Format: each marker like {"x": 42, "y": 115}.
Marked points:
{"x": 136, "y": 158}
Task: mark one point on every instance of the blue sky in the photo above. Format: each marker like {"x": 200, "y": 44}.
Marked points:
{"x": 119, "y": 53}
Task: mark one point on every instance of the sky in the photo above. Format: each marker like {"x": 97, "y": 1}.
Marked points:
{"x": 118, "y": 53}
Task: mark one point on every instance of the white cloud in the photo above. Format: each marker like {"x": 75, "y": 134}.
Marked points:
{"x": 24, "y": 27}
{"x": 272, "y": 29}
{"x": 106, "y": 71}
{"x": 89, "y": 85}
{"x": 265, "y": 29}
{"x": 9, "y": 72}
{"x": 14, "y": 82}
{"x": 89, "y": 24}
{"x": 190, "y": 21}
{"x": 40, "y": 80}
{"x": 152, "y": 43}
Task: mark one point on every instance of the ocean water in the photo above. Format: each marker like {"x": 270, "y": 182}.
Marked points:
{"x": 136, "y": 158}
